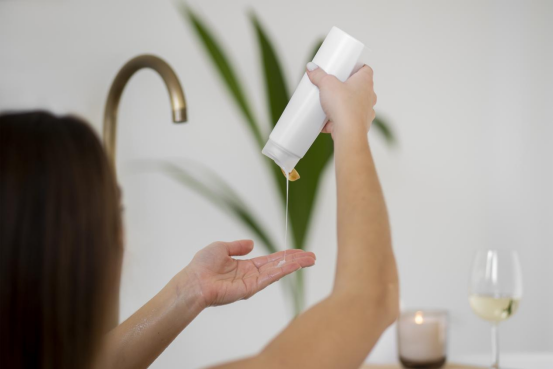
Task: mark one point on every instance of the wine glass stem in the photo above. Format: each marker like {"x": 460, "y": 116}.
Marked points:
{"x": 495, "y": 347}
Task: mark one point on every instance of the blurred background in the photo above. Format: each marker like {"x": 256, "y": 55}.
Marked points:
{"x": 467, "y": 88}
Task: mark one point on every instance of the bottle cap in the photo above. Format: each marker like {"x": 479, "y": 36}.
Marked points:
{"x": 284, "y": 158}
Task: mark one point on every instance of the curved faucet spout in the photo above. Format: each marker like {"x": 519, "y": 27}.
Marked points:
{"x": 176, "y": 94}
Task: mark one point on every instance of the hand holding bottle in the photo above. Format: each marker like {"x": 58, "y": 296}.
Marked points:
{"x": 303, "y": 118}
{"x": 348, "y": 105}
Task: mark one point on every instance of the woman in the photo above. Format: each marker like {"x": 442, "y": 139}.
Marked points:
{"x": 62, "y": 248}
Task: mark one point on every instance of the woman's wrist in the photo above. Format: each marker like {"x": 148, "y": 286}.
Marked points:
{"x": 187, "y": 291}
{"x": 140, "y": 339}
{"x": 350, "y": 132}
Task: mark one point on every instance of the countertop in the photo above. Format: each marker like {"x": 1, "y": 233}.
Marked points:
{"x": 530, "y": 360}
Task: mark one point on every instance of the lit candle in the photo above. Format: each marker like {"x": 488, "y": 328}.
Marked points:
{"x": 422, "y": 339}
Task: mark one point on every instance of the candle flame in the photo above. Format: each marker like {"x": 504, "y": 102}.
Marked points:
{"x": 418, "y": 317}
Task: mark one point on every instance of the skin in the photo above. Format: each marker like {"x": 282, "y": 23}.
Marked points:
{"x": 338, "y": 332}
{"x": 341, "y": 330}
{"x": 213, "y": 278}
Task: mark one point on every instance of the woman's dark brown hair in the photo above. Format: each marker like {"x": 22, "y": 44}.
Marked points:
{"x": 60, "y": 240}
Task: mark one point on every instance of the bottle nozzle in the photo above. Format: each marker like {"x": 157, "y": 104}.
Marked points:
{"x": 282, "y": 157}
{"x": 293, "y": 176}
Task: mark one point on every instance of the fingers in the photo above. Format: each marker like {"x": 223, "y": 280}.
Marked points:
{"x": 293, "y": 257}
{"x": 272, "y": 270}
{"x": 238, "y": 248}
{"x": 363, "y": 76}
{"x": 364, "y": 79}
{"x": 365, "y": 71}
{"x": 275, "y": 273}
{"x": 276, "y": 257}
{"x": 304, "y": 261}
{"x": 315, "y": 74}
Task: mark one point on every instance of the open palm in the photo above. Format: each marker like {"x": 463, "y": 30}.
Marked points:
{"x": 223, "y": 279}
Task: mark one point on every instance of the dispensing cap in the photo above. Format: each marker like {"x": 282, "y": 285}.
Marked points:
{"x": 284, "y": 158}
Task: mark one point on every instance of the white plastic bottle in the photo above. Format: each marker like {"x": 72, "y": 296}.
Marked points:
{"x": 303, "y": 119}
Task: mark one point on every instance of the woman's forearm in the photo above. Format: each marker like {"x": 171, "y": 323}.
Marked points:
{"x": 340, "y": 331}
{"x": 140, "y": 339}
{"x": 212, "y": 278}
{"x": 366, "y": 262}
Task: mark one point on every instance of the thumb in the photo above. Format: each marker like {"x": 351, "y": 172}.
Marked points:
{"x": 238, "y": 248}
{"x": 315, "y": 73}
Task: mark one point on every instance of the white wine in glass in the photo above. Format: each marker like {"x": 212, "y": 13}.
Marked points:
{"x": 493, "y": 309}
{"x": 495, "y": 290}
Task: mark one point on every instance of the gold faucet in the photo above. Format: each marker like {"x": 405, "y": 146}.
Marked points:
{"x": 178, "y": 101}
{"x": 178, "y": 106}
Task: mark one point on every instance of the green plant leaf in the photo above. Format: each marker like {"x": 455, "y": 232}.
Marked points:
{"x": 275, "y": 84}
{"x": 225, "y": 69}
{"x": 384, "y": 128}
{"x": 275, "y": 91}
{"x": 303, "y": 192}
{"x": 214, "y": 189}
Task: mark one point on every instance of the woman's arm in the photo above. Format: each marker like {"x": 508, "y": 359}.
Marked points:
{"x": 340, "y": 331}
{"x": 213, "y": 278}
{"x": 140, "y": 339}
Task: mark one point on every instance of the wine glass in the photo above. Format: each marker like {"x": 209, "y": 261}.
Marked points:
{"x": 495, "y": 289}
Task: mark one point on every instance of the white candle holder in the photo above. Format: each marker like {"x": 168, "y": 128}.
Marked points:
{"x": 422, "y": 339}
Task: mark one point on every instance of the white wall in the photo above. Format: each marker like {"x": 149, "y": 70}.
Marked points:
{"x": 467, "y": 85}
